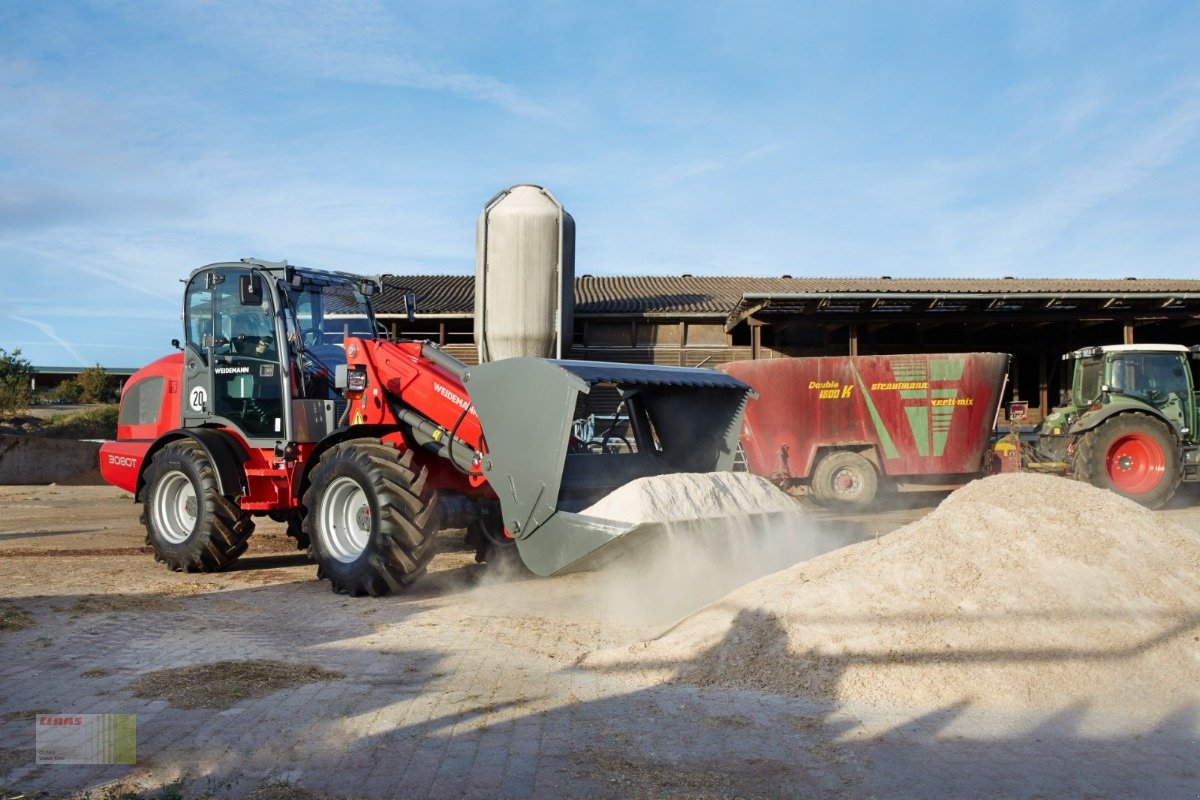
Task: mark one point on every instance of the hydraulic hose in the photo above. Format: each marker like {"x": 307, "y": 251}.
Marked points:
{"x": 437, "y": 438}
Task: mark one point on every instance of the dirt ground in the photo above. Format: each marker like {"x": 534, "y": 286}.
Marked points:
{"x": 467, "y": 685}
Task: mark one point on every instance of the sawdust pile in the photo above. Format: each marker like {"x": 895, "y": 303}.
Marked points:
{"x": 1017, "y": 591}
{"x": 683, "y": 496}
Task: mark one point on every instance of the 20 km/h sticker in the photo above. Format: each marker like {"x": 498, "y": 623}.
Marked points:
{"x": 198, "y": 398}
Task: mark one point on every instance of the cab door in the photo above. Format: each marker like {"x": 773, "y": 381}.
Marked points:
{"x": 232, "y": 370}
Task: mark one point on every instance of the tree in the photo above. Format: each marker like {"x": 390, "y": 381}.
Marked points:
{"x": 15, "y": 376}
{"x": 96, "y": 384}
{"x": 69, "y": 392}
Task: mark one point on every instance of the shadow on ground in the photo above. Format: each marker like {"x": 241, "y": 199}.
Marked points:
{"x": 428, "y": 708}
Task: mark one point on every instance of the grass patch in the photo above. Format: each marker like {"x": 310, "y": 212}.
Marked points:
{"x": 221, "y": 684}
{"x": 13, "y": 617}
{"x": 97, "y": 422}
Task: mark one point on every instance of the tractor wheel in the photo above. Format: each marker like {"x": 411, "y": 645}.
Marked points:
{"x": 1132, "y": 454}
{"x": 844, "y": 481}
{"x": 371, "y": 518}
{"x": 190, "y": 525}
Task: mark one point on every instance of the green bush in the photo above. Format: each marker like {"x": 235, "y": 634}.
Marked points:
{"x": 96, "y": 385}
{"x": 69, "y": 391}
{"x": 15, "y": 376}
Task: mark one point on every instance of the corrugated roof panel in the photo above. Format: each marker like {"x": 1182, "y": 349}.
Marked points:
{"x": 685, "y": 294}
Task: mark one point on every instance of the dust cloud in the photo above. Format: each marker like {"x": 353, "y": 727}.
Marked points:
{"x": 686, "y": 566}
{"x": 705, "y": 534}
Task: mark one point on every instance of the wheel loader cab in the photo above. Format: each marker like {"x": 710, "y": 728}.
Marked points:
{"x": 262, "y": 345}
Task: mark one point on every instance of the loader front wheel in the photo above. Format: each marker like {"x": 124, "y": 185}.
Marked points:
{"x": 371, "y": 518}
{"x": 1132, "y": 454}
{"x": 189, "y": 523}
{"x": 844, "y": 481}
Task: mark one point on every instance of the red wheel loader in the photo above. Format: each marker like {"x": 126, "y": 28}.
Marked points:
{"x": 285, "y": 402}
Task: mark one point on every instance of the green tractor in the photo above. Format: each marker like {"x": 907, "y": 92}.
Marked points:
{"x": 1130, "y": 422}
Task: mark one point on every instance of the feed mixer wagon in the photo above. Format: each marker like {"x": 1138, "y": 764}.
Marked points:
{"x": 846, "y": 427}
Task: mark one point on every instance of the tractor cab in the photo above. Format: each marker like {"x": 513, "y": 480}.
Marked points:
{"x": 1115, "y": 378}
{"x": 263, "y": 341}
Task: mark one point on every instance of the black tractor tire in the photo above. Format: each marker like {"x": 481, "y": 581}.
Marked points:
{"x": 189, "y": 523}
{"x": 493, "y": 549}
{"x": 295, "y": 526}
{"x": 844, "y": 481}
{"x": 1133, "y": 454}
{"x": 371, "y": 518}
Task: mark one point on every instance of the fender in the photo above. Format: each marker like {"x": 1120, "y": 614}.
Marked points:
{"x": 1091, "y": 419}
{"x": 865, "y": 449}
{"x": 336, "y": 437}
{"x": 223, "y": 450}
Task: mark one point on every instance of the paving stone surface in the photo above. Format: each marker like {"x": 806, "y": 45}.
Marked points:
{"x": 467, "y": 688}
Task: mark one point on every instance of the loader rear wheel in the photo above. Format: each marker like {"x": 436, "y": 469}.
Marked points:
{"x": 371, "y": 518}
{"x": 1132, "y": 454}
{"x": 190, "y": 525}
{"x": 845, "y": 481}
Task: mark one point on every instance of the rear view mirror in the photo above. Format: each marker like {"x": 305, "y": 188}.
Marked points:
{"x": 410, "y": 305}
{"x": 250, "y": 291}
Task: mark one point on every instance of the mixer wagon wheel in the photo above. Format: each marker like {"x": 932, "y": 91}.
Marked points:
{"x": 371, "y": 518}
{"x": 845, "y": 481}
{"x": 1132, "y": 454}
{"x": 190, "y": 525}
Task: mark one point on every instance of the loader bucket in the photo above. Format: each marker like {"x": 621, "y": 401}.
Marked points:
{"x": 682, "y": 420}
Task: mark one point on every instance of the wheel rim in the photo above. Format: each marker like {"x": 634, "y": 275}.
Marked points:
{"x": 846, "y": 483}
{"x": 345, "y": 520}
{"x": 1135, "y": 463}
{"x": 175, "y": 508}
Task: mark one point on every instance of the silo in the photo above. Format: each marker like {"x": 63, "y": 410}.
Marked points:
{"x": 524, "y": 275}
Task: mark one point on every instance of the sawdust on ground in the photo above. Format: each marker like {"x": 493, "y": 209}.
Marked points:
{"x": 221, "y": 684}
{"x": 1017, "y": 591}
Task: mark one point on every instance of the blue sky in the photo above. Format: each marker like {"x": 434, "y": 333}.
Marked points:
{"x": 139, "y": 140}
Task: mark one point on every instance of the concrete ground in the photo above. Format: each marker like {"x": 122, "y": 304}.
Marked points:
{"x": 467, "y": 686}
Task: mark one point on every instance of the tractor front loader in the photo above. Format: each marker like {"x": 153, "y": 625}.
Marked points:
{"x": 284, "y": 402}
